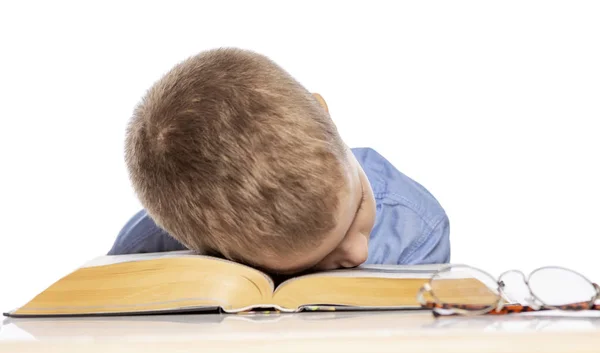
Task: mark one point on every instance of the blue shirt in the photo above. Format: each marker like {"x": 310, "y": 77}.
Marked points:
{"x": 411, "y": 227}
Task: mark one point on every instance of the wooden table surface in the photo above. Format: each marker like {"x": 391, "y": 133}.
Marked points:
{"x": 416, "y": 331}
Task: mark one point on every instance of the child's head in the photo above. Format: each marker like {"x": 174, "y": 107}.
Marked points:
{"x": 231, "y": 155}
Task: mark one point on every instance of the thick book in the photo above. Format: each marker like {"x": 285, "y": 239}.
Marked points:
{"x": 183, "y": 281}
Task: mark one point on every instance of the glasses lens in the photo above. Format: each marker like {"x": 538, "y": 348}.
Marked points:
{"x": 465, "y": 286}
{"x": 557, "y": 286}
{"x": 515, "y": 287}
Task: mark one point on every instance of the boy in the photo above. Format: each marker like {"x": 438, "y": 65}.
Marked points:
{"x": 230, "y": 156}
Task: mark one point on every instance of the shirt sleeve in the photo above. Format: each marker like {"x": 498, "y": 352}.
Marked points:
{"x": 433, "y": 246}
{"x": 141, "y": 235}
{"x": 405, "y": 235}
{"x": 411, "y": 226}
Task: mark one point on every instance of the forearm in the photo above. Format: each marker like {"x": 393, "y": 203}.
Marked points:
{"x": 141, "y": 235}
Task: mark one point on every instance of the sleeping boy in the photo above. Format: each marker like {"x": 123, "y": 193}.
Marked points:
{"x": 229, "y": 155}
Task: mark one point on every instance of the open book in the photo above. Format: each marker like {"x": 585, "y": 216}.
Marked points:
{"x": 183, "y": 281}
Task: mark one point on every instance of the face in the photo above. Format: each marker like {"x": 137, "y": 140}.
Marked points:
{"x": 348, "y": 244}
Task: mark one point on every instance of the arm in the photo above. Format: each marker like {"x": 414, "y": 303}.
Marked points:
{"x": 433, "y": 247}
{"x": 141, "y": 235}
{"x": 412, "y": 227}
{"x": 407, "y": 237}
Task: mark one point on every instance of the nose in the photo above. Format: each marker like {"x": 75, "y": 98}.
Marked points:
{"x": 355, "y": 257}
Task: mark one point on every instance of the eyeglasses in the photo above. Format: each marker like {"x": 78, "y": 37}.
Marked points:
{"x": 465, "y": 290}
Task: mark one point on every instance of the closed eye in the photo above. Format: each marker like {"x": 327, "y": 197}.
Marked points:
{"x": 362, "y": 201}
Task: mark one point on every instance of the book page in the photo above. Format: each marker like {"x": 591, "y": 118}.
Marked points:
{"x": 402, "y": 268}
{"x": 116, "y": 259}
{"x": 388, "y": 271}
{"x": 381, "y": 271}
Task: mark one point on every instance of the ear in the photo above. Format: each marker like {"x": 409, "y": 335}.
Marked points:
{"x": 321, "y": 101}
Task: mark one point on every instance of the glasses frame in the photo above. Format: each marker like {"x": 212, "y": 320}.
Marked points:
{"x": 502, "y": 305}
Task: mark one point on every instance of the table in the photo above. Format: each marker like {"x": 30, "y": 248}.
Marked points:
{"x": 391, "y": 331}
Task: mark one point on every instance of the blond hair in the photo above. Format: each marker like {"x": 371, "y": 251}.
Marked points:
{"x": 228, "y": 153}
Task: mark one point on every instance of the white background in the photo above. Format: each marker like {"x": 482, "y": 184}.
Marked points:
{"x": 491, "y": 106}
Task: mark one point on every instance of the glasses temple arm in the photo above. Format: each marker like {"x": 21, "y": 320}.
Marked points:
{"x": 426, "y": 288}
